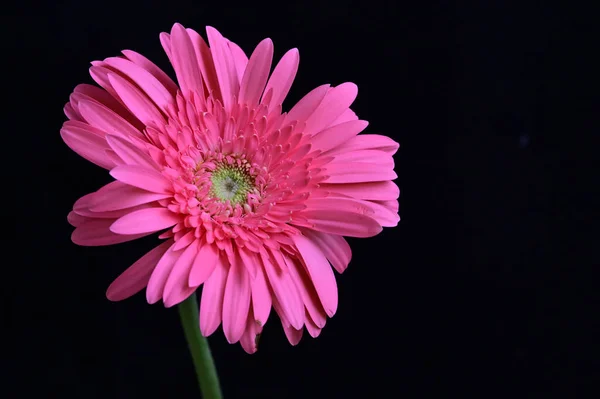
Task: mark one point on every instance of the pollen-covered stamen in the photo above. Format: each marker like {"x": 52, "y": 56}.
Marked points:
{"x": 231, "y": 183}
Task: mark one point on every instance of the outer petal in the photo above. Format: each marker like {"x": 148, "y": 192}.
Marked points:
{"x": 333, "y": 105}
{"x": 129, "y": 153}
{"x": 383, "y": 190}
{"x": 116, "y": 195}
{"x": 96, "y": 232}
{"x": 282, "y": 77}
{"x": 204, "y": 264}
{"x": 86, "y": 144}
{"x": 383, "y": 215}
{"x": 306, "y": 289}
{"x": 144, "y": 178}
{"x": 236, "y": 302}
{"x": 136, "y": 100}
{"x": 207, "y": 66}
{"x": 158, "y": 279}
{"x": 294, "y": 336}
{"x": 261, "y": 297}
{"x": 151, "y": 86}
{"x": 211, "y": 304}
{"x": 343, "y": 223}
{"x": 177, "y": 288}
{"x": 337, "y": 135}
{"x": 187, "y": 67}
{"x": 288, "y": 298}
{"x": 145, "y": 221}
{"x": 367, "y": 142}
{"x": 320, "y": 273}
{"x": 149, "y": 66}
{"x": 256, "y": 74}
{"x": 358, "y": 172}
{"x": 240, "y": 59}
{"x": 251, "y": 335}
{"x": 307, "y": 105}
{"x": 107, "y": 120}
{"x": 224, "y": 66}
{"x": 334, "y": 247}
{"x": 135, "y": 278}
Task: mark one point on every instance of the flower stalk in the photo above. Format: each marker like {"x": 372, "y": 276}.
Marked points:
{"x": 204, "y": 364}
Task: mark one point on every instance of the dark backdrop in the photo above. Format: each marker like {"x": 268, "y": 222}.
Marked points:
{"x": 485, "y": 287}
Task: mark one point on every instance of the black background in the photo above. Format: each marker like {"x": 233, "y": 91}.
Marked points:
{"x": 486, "y": 287}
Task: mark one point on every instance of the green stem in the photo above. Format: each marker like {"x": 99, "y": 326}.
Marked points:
{"x": 203, "y": 360}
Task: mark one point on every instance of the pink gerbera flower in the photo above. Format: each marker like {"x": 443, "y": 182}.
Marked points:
{"x": 252, "y": 202}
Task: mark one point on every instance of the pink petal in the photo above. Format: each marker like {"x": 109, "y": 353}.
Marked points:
{"x": 249, "y": 340}
{"x": 144, "y": 178}
{"x": 236, "y": 302}
{"x": 96, "y": 232}
{"x": 211, "y": 303}
{"x": 319, "y": 272}
{"x": 86, "y": 201}
{"x": 207, "y": 67}
{"x": 107, "y": 214}
{"x": 165, "y": 41}
{"x": 224, "y": 66}
{"x": 390, "y": 204}
{"x": 249, "y": 260}
{"x": 240, "y": 59}
{"x": 337, "y": 100}
{"x": 261, "y": 297}
{"x": 82, "y": 205}
{"x": 104, "y": 118}
{"x": 386, "y": 215}
{"x": 129, "y": 153}
{"x": 136, "y": 277}
{"x": 185, "y": 241}
{"x": 342, "y": 223}
{"x": 151, "y": 86}
{"x": 76, "y": 220}
{"x": 337, "y": 135}
{"x": 135, "y": 100}
{"x": 312, "y": 328}
{"x": 294, "y": 336}
{"x": 72, "y": 113}
{"x": 334, "y": 247}
{"x": 187, "y": 67}
{"x": 307, "y": 105}
{"x": 117, "y": 195}
{"x": 346, "y": 116}
{"x": 256, "y": 74}
{"x": 381, "y": 190}
{"x": 204, "y": 264}
{"x": 367, "y": 142}
{"x": 96, "y": 94}
{"x": 149, "y": 66}
{"x": 177, "y": 288}
{"x": 383, "y": 215}
{"x": 158, "y": 279}
{"x": 86, "y": 144}
{"x": 358, "y": 172}
{"x": 282, "y": 77}
{"x": 368, "y": 156}
{"x": 145, "y": 221}
{"x": 285, "y": 291}
{"x": 305, "y": 287}
{"x": 100, "y": 75}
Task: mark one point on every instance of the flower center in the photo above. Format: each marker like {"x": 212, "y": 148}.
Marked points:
{"x": 231, "y": 183}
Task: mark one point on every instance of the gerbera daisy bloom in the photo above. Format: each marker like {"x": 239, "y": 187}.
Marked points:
{"x": 253, "y": 203}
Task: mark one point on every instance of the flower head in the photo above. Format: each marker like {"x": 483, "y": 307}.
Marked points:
{"x": 252, "y": 202}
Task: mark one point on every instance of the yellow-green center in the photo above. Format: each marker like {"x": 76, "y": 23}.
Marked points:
{"x": 231, "y": 183}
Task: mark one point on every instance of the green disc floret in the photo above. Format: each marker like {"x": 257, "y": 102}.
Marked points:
{"x": 231, "y": 183}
